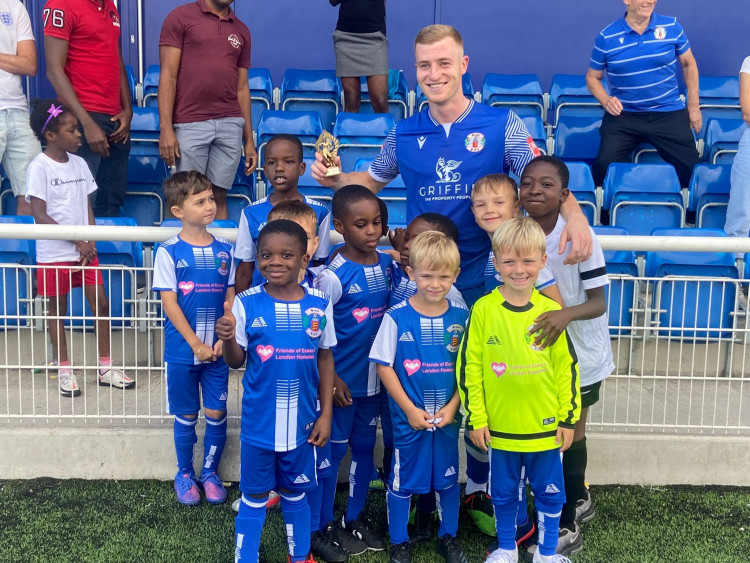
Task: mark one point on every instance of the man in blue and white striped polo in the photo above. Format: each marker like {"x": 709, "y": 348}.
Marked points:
{"x": 640, "y": 53}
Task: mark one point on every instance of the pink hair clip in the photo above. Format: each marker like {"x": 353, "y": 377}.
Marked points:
{"x": 53, "y": 112}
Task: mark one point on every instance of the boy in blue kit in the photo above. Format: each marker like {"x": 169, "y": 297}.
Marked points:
{"x": 282, "y": 166}
{"x": 358, "y": 280}
{"x": 415, "y": 352}
{"x": 544, "y": 186}
{"x": 285, "y": 331}
{"x": 194, "y": 274}
{"x": 521, "y": 399}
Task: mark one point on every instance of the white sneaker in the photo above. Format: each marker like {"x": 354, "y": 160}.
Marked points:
{"x": 557, "y": 558}
{"x": 503, "y": 556}
{"x": 68, "y": 384}
{"x": 116, "y": 378}
{"x": 236, "y": 504}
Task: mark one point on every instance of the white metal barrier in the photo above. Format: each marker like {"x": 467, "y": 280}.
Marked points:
{"x": 680, "y": 344}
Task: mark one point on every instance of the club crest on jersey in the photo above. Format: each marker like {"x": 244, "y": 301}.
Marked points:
{"x": 222, "y": 259}
{"x": 314, "y": 321}
{"x": 6, "y": 18}
{"x": 452, "y": 337}
{"x": 234, "y": 41}
{"x": 115, "y": 18}
{"x": 474, "y": 142}
{"x": 660, "y": 33}
{"x": 446, "y": 171}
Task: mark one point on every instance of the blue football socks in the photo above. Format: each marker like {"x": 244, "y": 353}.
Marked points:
{"x": 184, "y": 440}
{"x": 398, "y": 516}
{"x": 360, "y": 470}
{"x": 213, "y": 442}
{"x": 296, "y": 511}
{"x": 247, "y": 528}
{"x": 447, "y": 505}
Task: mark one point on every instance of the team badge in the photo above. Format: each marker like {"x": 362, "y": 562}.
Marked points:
{"x": 529, "y": 338}
{"x": 222, "y": 261}
{"x": 115, "y": 18}
{"x": 475, "y": 142}
{"x": 314, "y": 321}
{"x": 6, "y": 18}
{"x": 452, "y": 337}
{"x": 660, "y": 33}
{"x": 446, "y": 171}
{"x": 532, "y": 145}
{"x": 234, "y": 41}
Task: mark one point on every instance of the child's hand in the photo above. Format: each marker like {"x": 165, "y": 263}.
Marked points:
{"x": 446, "y": 415}
{"x": 396, "y": 237}
{"x": 480, "y": 438}
{"x": 218, "y": 349}
{"x": 321, "y": 431}
{"x": 420, "y": 420}
{"x": 342, "y": 397}
{"x": 564, "y": 437}
{"x": 551, "y": 325}
{"x": 87, "y": 249}
{"x": 204, "y": 353}
{"x": 225, "y": 325}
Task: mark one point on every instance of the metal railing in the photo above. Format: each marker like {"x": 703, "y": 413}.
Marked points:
{"x": 679, "y": 342}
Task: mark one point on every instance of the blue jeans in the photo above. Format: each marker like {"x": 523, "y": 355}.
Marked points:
{"x": 738, "y": 212}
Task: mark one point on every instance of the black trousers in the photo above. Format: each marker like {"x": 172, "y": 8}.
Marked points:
{"x": 668, "y": 131}
{"x": 110, "y": 173}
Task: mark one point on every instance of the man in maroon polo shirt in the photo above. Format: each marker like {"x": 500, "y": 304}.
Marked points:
{"x": 204, "y": 99}
{"x": 85, "y": 67}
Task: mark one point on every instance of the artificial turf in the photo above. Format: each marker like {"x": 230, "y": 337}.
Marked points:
{"x": 134, "y": 521}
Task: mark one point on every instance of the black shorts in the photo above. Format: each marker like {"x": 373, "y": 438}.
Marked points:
{"x": 590, "y": 394}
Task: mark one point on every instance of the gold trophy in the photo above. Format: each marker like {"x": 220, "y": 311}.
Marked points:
{"x": 328, "y": 145}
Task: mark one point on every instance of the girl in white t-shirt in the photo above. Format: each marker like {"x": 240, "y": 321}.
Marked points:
{"x": 59, "y": 184}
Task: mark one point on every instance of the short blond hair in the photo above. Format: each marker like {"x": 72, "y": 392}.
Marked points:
{"x": 433, "y": 250}
{"x": 521, "y": 235}
{"x": 494, "y": 184}
{"x": 294, "y": 211}
{"x": 433, "y": 33}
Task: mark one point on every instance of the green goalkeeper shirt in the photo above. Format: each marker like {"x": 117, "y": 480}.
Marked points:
{"x": 520, "y": 392}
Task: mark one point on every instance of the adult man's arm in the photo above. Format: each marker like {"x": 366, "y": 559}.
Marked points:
{"x": 243, "y": 97}
{"x": 339, "y": 181}
{"x": 56, "y": 52}
{"x": 120, "y": 135}
{"x": 169, "y": 60}
{"x": 690, "y": 74}
{"x": 23, "y": 62}
{"x": 610, "y": 104}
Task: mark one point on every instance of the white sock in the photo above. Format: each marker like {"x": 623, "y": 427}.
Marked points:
{"x": 472, "y": 487}
{"x": 512, "y": 553}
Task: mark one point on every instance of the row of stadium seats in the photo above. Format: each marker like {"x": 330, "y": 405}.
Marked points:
{"x": 638, "y": 197}
{"x": 694, "y": 294}
{"x": 321, "y": 90}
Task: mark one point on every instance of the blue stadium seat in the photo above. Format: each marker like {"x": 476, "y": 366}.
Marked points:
{"x": 146, "y": 173}
{"x": 569, "y": 95}
{"x": 305, "y": 125}
{"x": 8, "y": 202}
{"x": 466, "y": 84}
{"x": 623, "y": 289}
{"x": 521, "y": 93}
{"x": 695, "y": 294}
{"x": 722, "y": 138}
{"x": 719, "y": 98}
{"x": 394, "y": 196}
{"x": 145, "y": 208}
{"x": 709, "y": 194}
{"x": 537, "y": 130}
{"x": 119, "y": 278}
{"x": 132, "y": 84}
{"x": 361, "y": 135}
{"x": 646, "y": 153}
{"x": 641, "y": 197}
{"x": 581, "y": 185}
{"x": 144, "y": 131}
{"x": 398, "y": 95}
{"x": 577, "y": 138}
{"x": 15, "y": 281}
{"x": 235, "y": 205}
{"x": 312, "y": 90}
{"x": 261, "y": 92}
{"x": 151, "y": 85}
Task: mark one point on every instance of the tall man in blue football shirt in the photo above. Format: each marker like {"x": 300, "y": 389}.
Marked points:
{"x": 440, "y": 153}
{"x": 640, "y": 53}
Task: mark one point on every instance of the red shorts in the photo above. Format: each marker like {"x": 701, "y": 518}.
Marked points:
{"x": 58, "y": 280}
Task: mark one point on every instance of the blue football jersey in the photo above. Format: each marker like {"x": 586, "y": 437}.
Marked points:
{"x": 200, "y": 276}
{"x": 403, "y": 288}
{"x": 422, "y": 351}
{"x": 254, "y": 218}
{"x": 440, "y": 164}
{"x": 280, "y": 384}
{"x": 359, "y": 294}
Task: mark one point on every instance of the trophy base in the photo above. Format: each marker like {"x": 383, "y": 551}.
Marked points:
{"x": 333, "y": 171}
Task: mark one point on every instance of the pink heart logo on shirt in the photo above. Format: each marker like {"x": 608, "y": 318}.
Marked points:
{"x": 499, "y": 368}
{"x": 361, "y": 314}
{"x": 186, "y": 287}
{"x": 265, "y": 352}
{"x": 412, "y": 366}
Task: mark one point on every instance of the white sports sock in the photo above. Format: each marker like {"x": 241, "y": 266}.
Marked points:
{"x": 472, "y": 487}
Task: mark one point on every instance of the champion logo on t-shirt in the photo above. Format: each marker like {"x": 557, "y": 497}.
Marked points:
{"x": 264, "y": 352}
